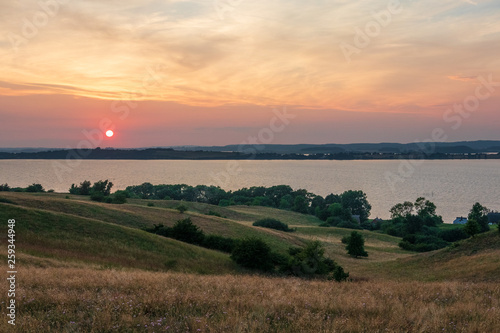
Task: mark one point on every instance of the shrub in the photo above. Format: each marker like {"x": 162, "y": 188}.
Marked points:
{"x": 211, "y": 212}
{"x": 35, "y": 188}
{"x": 356, "y": 245}
{"x": 216, "y": 242}
{"x": 97, "y": 196}
{"x": 339, "y": 275}
{"x": 150, "y": 204}
{"x": 272, "y": 224}
{"x": 185, "y": 231}
{"x": 50, "y": 191}
{"x": 253, "y": 253}
{"x": 83, "y": 189}
{"x": 453, "y": 235}
{"x": 120, "y": 197}
{"x": 181, "y": 208}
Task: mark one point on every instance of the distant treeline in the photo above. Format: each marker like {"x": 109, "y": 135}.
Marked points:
{"x": 346, "y": 209}
{"x": 171, "y": 154}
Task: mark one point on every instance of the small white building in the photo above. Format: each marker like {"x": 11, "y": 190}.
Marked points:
{"x": 460, "y": 220}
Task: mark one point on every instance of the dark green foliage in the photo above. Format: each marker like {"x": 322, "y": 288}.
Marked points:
{"x": 310, "y": 261}
{"x": 119, "y": 197}
{"x": 453, "y": 235}
{"x": 272, "y": 224}
{"x": 356, "y": 245}
{"x": 220, "y": 243}
{"x": 253, "y": 253}
{"x": 150, "y": 204}
{"x": 479, "y": 213}
{"x": 83, "y": 189}
{"x": 339, "y": 275}
{"x": 97, "y": 196}
{"x": 357, "y": 202}
{"x": 422, "y": 243}
{"x": 35, "y": 188}
{"x": 300, "y": 205}
{"x": 472, "y": 227}
{"x": 213, "y": 213}
{"x": 5, "y": 200}
{"x": 181, "y": 208}
{"x": 4, "y": 187}
{"x": 102, "y": 186}
{"x": 185, "y": 231}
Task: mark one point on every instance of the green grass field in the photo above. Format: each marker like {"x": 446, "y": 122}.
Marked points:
{"x": 85, "y": 242}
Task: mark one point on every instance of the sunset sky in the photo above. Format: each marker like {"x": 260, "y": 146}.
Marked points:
{"x": 211, "y": 72}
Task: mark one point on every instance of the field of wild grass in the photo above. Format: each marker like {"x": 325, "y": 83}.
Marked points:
{"x": 70, "y": 299}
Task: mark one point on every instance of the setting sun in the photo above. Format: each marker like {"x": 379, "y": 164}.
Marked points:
{"x": 109, "y": 133}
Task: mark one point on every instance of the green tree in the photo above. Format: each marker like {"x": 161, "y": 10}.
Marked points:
{"x": 479, "y": 213}
{"x": 300, "y": 205}
{"x": 425, "y": 207}
{"x": 357, "y": 202}
{"x": 401, "y": 209}
{"x": 253, "y": 253}
{"x": 472, "y": 227}
{"x": 35, "y": 188}
{"x": 356, "y": 245}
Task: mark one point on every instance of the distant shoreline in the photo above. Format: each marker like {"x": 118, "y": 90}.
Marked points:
{"x": 171, "y": 154}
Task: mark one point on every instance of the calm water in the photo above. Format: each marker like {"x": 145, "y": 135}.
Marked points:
{"x": 453, "y": 185}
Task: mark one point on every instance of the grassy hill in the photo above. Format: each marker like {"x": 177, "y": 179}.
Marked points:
{"x": 73, "y": 228}
{"x": 85, "y": 266}
{"x": 475, "y": 259}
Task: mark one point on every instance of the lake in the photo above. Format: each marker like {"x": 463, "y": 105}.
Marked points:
{"x": 453, "y": 185}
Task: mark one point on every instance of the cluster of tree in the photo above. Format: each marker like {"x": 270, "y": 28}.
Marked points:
{"x": 185, "y": 231}
{"x": 272, "y": 224}
{"x": 100, "y": 191}
{"x": 348, "y": 203}
{"x": 477, "y": 221}
{"x": 33, "y": 188}
{"x": 254, "y": 253}
{"x": 418, "y": 224}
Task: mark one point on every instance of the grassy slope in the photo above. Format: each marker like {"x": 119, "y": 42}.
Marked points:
{"x": 474, "y": 259}
{"x": 386, "y": 260}
{"x": 43, "y": 234}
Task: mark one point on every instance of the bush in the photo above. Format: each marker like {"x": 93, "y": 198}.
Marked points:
{"x": 453, "y": 235}
{"x": 339, "y": 275}
{"x": 83, "y": 189}
{"x": 35, "y": 188}
{"x": 309, "y": 261}
{"x": 120, "y": 197}
{"x": 272, "y": 224}
{"x": 4, "y": 187}
{"x": 211, "y": 212}
{"x": 181, "y": 208}
{"x": 253, "y": 253}
{"x": 150, "y": 204}
{"x": 97, "y": 196}
{"x": 185, "y": 231}
{"x": 422, "y": 243}
{"x": 356, "y": 245}
{"x": 216, "y": 242}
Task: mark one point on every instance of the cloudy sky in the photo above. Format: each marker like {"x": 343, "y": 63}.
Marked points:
{"x": 213, "y": 72}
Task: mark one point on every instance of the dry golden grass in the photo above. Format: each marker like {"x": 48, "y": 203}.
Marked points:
{"x": 87, "y": 300}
